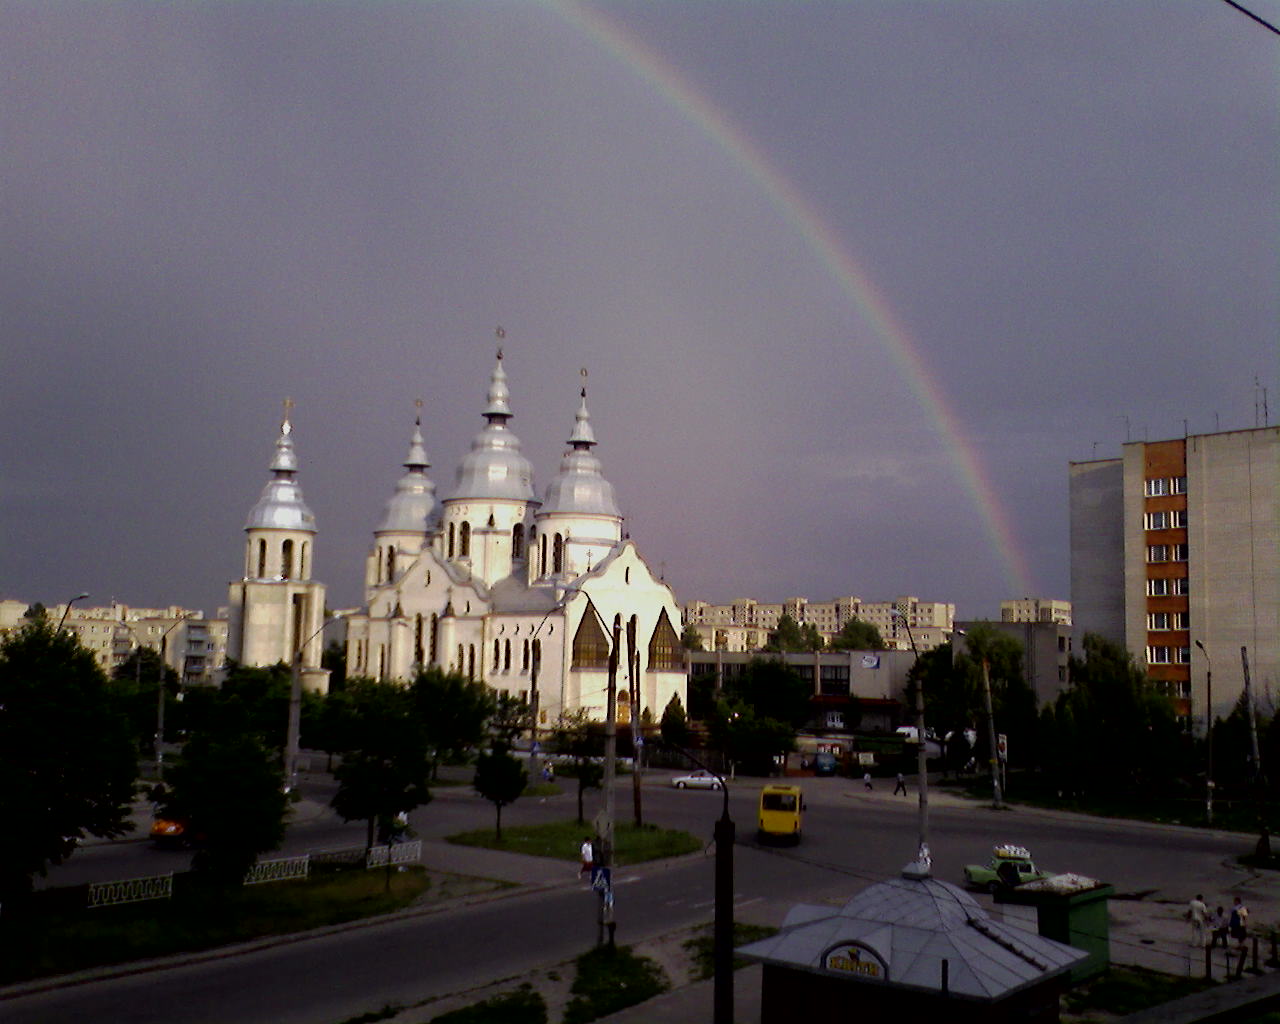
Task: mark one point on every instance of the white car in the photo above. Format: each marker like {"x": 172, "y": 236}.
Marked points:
{"x": 696, "y": 780}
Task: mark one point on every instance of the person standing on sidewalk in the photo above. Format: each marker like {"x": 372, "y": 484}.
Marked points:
{"x": 900, "y": 786}
{"x": 1218, "y": 929}
{"x": 1197, "y": 912}
{"x": 866, "y": 781}
{"x": 588, "y": 857}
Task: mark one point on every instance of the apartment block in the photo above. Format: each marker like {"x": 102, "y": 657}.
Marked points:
{"x": 1175, "y": 553}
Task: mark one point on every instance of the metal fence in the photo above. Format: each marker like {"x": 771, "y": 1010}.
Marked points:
{"x": 130, "y": 890}
{"x": 283, "y": 869}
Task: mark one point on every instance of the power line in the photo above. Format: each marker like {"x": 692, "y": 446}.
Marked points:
{"x": 1248, "y": 13}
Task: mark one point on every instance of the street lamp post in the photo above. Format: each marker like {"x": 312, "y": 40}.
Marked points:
{"x": 922, "y": 755}
{"x": 294, "y": 730}
{"x": 1208, "y": 734}
{"x": 67, "y": 610}
{"x": 164, "y": 643}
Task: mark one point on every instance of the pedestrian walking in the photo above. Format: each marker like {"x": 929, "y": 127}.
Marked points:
{"x": 1197, "y": 914}
{"x": 866, "y": 781}
{"x": 1238, "y": 922}
{"x": 1218, "y": 928}
{"x": 900, "y": 786}
{"x": 588, "y": 857}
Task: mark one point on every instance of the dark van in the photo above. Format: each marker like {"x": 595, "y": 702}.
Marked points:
{"x": 825, "y": 764}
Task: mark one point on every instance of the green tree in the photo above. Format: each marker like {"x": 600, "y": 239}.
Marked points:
{"x": 691, "y": 638}
{"x": 750, "y": 739}
{"x": 509, "y": 719}
{"x": 386, "y": 763}
{"x": 856, "y": 635}
{"x": 575, "y": 736}
{"x": 772, "y": 689}
{"x": 500, "y": 779}
{"x": 67, "y": 760}
{"x": 454, "y": 711}
{"x": 334, "y": 658}
{"x": 675, "y": 724}
{"x": 228, "y": 787}
{"x": 1118, "y": 734}
{"x": 135, "y": 684}
{"x": 791, "y": 637}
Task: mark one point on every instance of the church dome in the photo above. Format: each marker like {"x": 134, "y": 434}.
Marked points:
{"x": 281, "y": 506}
{"x": 580, "y": 487}
{"x": 494, "y": 468}
{"x": 408, "y": 509}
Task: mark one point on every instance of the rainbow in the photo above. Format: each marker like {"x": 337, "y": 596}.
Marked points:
{"x": 834, "y": 254}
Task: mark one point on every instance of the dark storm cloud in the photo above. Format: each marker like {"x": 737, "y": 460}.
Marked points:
{"x": 1071, "y": 207}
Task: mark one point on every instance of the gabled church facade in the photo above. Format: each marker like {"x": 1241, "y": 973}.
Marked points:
{"x": 519, "y": 592}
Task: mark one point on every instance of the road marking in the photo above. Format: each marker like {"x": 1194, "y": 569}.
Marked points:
{"x": 747, "y": 903}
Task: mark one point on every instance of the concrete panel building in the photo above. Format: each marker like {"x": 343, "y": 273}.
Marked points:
{"x": 1175, "y": 553}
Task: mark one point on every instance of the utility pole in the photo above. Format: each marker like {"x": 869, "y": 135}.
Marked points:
{"x": 996, "y": 795}
{"x": 1259, "y": 783}
{"x": 535, "y": 658}
{"x": 605, "y": 924}
{"x": 1208, "y": 734}
{"x": 637, "y": 737}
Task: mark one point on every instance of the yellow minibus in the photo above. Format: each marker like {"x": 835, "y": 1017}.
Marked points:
{"x": 780, "y": 809}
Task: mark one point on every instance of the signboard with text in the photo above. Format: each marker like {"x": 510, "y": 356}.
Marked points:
{"x": 856, "y": 960}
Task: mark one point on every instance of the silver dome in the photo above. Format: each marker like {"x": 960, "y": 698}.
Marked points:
{"x": 494, "y": 468}
{"x": 281, "y": 506}
{"x": 408, "y": 509}
{"x": 579, "y": 486}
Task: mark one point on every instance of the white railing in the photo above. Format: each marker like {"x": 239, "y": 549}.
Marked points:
{"x": 283, "y": 869}
{"x": 400, "y": 853}
{"x": 131, "y": 890}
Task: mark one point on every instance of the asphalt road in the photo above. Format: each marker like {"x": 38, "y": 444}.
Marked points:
{"x": 851, "y": 838}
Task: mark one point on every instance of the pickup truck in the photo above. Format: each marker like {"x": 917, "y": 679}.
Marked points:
{"x": 1009, "y": 866}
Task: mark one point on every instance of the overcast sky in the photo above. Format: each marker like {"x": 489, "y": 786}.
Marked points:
{"x": 854, "y": 282}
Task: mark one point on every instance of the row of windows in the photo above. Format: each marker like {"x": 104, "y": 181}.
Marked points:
{"x": 286, "y": 560}
{"x": 1167, "y": 552}
{"x": 458, "y": 540}
{"x": 1158, "y": 487}
{"x": 1174, "y": 687}
{"x": 1168, "y": 587}
{"x": 1168, "y": 655}
{"x": 1168, "y": 620}
{"x": 1173, "y": 519}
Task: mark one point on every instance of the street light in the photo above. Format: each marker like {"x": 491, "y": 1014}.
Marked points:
{"x": 164, "y": 641}
{"x": 722, "y": 929}
{"x": 1208, "y": 734}
{"x": 294, "y": 730}
{"x": 993, "y": 758}
{"x": 66, "y": 611}
{"x": 923, "y": 857}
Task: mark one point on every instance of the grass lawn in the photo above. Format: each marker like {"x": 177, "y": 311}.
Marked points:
{"x": 55, "y": 934}
{"x": 563, "y": 840}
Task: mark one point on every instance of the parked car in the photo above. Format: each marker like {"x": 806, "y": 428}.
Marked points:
{"x": 1009, "y": 866}
{"x": 696, "y": 780}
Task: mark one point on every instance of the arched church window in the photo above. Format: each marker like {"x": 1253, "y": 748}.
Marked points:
{"x": 542, "y": 561}
{"x": 524, "y": 658}
{"x": 435, "y": 635}
{"x": 497, "y": 654}
{"x": 302, "y": 561}
{"x": 517, "y": 541}
{"x": 286, "y": 560}
{"x": 471, "y": 661}
{"x": 464, "y": 540}
{"x": 665, "y": 654}
{"x": 451, "y": 540}
{"x": 506, "y": 656}
{"x": 557, "y": 557}
{"x": 391, "y": 564}
{"x": 262, "y": 559}
{"x": 590, "y": 645}
{"x": 417, "y": 640}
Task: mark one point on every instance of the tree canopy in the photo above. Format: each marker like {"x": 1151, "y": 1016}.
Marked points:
{"x": 386, "y": 764}
{"x": 790, "y": 637}
{"x": 69, "y": 760}
{"x": 500, "y": 779}
{"x": 228, "y": 787}
{"x": 856, "y": 635}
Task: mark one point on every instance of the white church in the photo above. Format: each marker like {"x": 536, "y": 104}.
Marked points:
{"x": 521, "y": 594}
